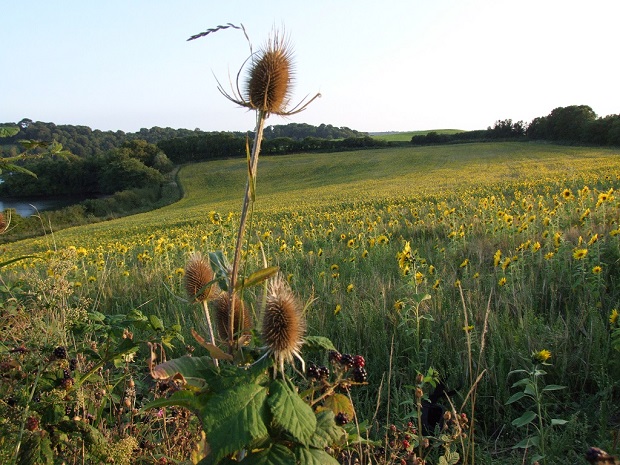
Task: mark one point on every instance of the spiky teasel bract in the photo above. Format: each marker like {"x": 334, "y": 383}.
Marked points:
{"x": 269, "y": 80}
{"x": 284, "y": 325}
{"x": 242, "y": 321}
{"x": 198, "y": 274}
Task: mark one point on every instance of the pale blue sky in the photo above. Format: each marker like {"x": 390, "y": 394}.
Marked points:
{"x": 381, "y": 66}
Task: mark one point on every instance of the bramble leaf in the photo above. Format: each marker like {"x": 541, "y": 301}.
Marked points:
{"x": 291, "y": 413}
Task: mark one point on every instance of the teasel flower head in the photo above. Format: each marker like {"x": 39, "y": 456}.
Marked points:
{"x": 242, "y": 321}
{"x": 283, "y": 325}
{"x": 269, "y": 81}
{"x": 198, "y": 275}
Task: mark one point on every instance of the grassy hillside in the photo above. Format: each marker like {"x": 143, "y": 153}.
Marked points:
{"x": 405, "y": 136}
{"x": 516, "y": 245}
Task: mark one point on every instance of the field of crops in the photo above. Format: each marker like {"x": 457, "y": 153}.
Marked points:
{"x": 407, "y": 135}
{"x": 466, "y": 259}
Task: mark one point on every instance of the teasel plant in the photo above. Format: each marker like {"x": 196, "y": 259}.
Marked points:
{"x": 267, "y": 91}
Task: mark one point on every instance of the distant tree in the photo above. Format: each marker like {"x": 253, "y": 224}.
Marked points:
{"x": 569, "y": 123}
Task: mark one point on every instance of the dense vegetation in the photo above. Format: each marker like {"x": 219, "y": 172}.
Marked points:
{"x": 516, "y": 245}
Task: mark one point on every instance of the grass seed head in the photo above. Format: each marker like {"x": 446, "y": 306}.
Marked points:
{"x": 198, "y": 273}
{"x": 283, "y": 325}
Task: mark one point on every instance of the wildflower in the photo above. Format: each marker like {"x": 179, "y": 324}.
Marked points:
{"x": 549, "y": 256}
{"x": 350, "y": 288}
{"x": 457, "y": 283}
{"x": 283, "y": 325}
{"x": 365, "y": 253}
{"x": 334, "y": 267}
{"x": 613, "y": 316}
{"x": 593, "y": 239}
{"x": 419, "y": 277}
{"x": 351, "y": 243}
{"x": 541, "y": 356}
{"x": 436, "y": 285}
{"x": 567, "y": 194}
{"x": 597, "y": 269}
{"x": 506, "y": 263}
{"x": 337, "y": 309}
{"x": 579, "y": 254}
{"x": 382, "y": 239}
{"x": 320, "y": 252}
{"x": 497, "y": 257}
{"x": 242, "y": 320}
{"x": 399, "y": 305}
{"x": 468, "y": 329}
{"x": 179, "y": 272}
{"x": 215, "y": 217}
{"x": 431, "y": 270}
{"x": 535, "y": 246}
{"x": 502, "y": 281}
{"x": 464, "y": 263}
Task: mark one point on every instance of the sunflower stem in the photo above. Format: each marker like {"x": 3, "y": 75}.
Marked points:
{"x": 247, "y": 202}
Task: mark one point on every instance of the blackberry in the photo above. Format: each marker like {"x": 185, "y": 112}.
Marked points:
{"x": 334, "y": 356}
{"x": 313, "y": 371}
{"x": 342, "y": 418}
{"x": 73, "y": 363}
{"x": 359, "y": 361}
{"x": 68, "y": 410}
{"x": 67, "y": 383}
{"x": 32, "y": 423}
{"x": 66, "y": 374}
{"x": 60, "y": 352}
{"x": 360, "y": 375}
{"x": 346, "y": 360}
{"x": 323, "y": 372}
{"x": 37, "y": 397}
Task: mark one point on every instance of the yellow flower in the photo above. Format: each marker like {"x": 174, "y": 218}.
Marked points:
{"x": 536, "y": 246}
{"x": 436, "y": 285}
{"x": 541, "y": 356}
{"x": 497, "y": 257}
{"x": 593, "y": 239}
{"x": 597, "y": 269}
{"x": 567, "y": 194}
{"x": 613, "y": 316}
{"x": 334, "y": 267}
{"x": 431, "y": 269}
{"x": 365, "y": 253}
{"x": 382, "y": 239}
{"x": 579, "y": 254}
{"x": 468, "y": 329}
{"x": 337, "y": 309}
{"x": 399, "y": 305}
{"x": 180, "y": 272}
{"x": 350, "y": 288}
{"x": 419, "y": 277}
{"x": 506, "y": 263}
{"x": 502, "y": 281}
{"x": 464, "y": 263}
{"x": 457, "y": 283}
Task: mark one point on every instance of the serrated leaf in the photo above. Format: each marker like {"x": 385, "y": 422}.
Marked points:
{"x": 291, "y": 413}
{"x": 524, "y": 419}
{"x": 36, "y": 450}
{"x": 527, "y": 442}
{"x": 515, "y": 397}
{"x": 553, "y": 387}
{"x": 234, "y": 418}
{"x": 318, "y": 343}
{"x": 536, "y": 458}
{"x": 327, "y": 433}
{"x": 449, "y": 458}
{"x": 256, "y": 278}
{"x": 183, "y": 398}
{"x": 195, "y": 370}
{"x": 339, "y": 403}
{"x": 277, "y": 454}
{"x": 558, "y": 421}
{"x": 313, "y": 457}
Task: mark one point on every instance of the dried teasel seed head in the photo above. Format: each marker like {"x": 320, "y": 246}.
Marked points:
{"x": 283, "y": 326}
{"x": 242, "y": 322}
{"x": 270, "y": 77}
{"x": 198, "y": 274}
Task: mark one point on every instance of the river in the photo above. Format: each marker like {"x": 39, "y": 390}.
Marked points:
{"x": 29, "y": 207}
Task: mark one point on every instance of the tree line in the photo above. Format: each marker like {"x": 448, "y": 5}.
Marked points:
{"x": 575, "y": 124}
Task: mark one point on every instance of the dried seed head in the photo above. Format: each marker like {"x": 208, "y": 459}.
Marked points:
{"x": 242, "y": 322}
{"x": 198, "y": 274}
{"x": 283, "y": 323}
{"x": 270, "y": 76}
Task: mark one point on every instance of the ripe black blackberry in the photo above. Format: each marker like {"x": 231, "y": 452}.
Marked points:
{"x": 334, "y": 356}
{"x": 342, "y": 418}
{"x": 37, "y": 397}
{"x": 360, "y": 375}
{"x": 346, "y": 360}
{"x": 66, "y": 374}
{"x": 60, "y": 352}
{"x": 312, "y": 371}
{"x": 73, "y": 363}
{"x": 323, "y": 372}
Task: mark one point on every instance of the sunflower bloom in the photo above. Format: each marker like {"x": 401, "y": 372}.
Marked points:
{"x": 613, "y": 316}
{"x": 579, "y": 254}
{"x": 541, "y": 356}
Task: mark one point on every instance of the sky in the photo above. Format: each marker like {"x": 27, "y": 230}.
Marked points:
{"x": 395, "y": 65}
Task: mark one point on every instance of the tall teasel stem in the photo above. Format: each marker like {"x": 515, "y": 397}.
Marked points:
{"x": 248, "y": 200}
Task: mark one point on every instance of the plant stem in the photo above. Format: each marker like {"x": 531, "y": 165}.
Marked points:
{"x": 205, "y": 306}
{"x": 247, "y": 201}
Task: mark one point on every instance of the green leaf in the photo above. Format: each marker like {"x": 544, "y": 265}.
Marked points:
{"x": 318, "y": 343}
{"x": 156, "y": 323}
{"x": 314, "y": 457}
{"x": 183, "y": 398}
{"x": 36, "y": 450}
{"x": 539, "y": 372}
{"x": 553, "y": 387}
{"x": 558, "y": 421}
{"x": 524, "y": 419}
{"x": 522, "y": 382}
{"x": 257, "y": 277}
{"x": 291, "y": 413}
{"x": 419, "y": 298}
{"x": 532, "y": 441}
{"x": 529, "y": 390}
{"x": 515, "y": 397}
{"x": 234, "y": 418}
{"x": 328, "y": 433}
{"x": 449, "y": 458}
{"x": 194, "y": 370}
{"x": 220, "y": 268}
{"x": 277, "y": 454}
{"x": 339, "y": 403}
